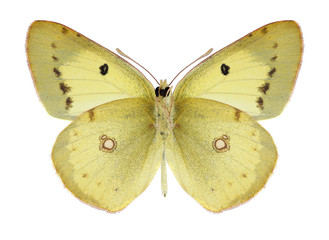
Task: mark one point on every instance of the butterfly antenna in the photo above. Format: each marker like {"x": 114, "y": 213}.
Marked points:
{"x": 126, "y": 56}
{"x": 204, "y": 55}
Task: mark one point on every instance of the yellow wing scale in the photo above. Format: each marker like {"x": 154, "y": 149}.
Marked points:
{"x": 73, "y": 74}
{"x": 105, "y": 179}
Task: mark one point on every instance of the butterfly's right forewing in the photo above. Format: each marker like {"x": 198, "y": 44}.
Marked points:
{"x": 256, "y": 74}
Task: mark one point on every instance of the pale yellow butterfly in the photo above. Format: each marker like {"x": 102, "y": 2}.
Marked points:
{"x": 123, "y": 130}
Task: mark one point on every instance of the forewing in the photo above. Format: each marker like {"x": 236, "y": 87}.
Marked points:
{"x": 255, "y": 74}
{"x": 73, "y": 74}
{"x": 107, "y": 156}
{"x": 221, "y": 156}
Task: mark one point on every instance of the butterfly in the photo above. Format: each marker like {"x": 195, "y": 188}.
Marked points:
{"x": 123, "y": 129}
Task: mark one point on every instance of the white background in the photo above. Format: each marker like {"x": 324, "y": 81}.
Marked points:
{"x": 164, "y": 36}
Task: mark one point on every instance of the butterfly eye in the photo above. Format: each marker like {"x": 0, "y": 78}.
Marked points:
{"x": 166, "y": 91}
{"x": 157, "y": 92}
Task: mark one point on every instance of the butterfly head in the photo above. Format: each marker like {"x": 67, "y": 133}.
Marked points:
{"x": 163, "y": 90}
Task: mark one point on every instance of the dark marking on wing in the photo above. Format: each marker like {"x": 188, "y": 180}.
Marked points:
{"x": 250, "y": 35}
{"x": 275, "y": 45}
{"x": 264, "y": 88}
{"x": 84, "y": 175}
{"x": 104, "y": 69}
{"x": 260, "y": 103}
{"x": 274, "y": 58}
{"x": 78, "y": 35}
{"x": 64, "y": 87}
{"x": 54, "y": 58}
{"x": 244, "y": 175}
{"x": 64, "y": 30}
{"x": 264, "y": 30}
{"x": 57, "y": 72}
{"x": 237, "y": 115}
{"x": 225, "y": 69}
{"x": 271, "y": 73}
{"x": 53, "y": 45}
{"x": 91, "y": 115}
{"x": 68, "y": 103}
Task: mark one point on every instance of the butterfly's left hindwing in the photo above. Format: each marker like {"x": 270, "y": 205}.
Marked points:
{"x": 108, "y": 156}
{"x": 73, "y": 74}
{"x": 220, "y": 155}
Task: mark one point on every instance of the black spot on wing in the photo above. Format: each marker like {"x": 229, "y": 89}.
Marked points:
{"x": 271, "y": 72}
{"x": 273, "y": 59}
{"x": 91, "y": 115}
{"x": 104, "y": 69}
{"x": 260, "y": 103}
{"x": 53, "y": 45}
{"x": 64, "y": 87}
{"x": 264, "y": 88}
{"x": 237, "y": 115}
{"x": 57, "y": 72}
{"x": 225, "y": 69}
{"x": 64, "y": 30}
{"x": 54, "y": 58}
{"x": 264, "y": 30}
{"x": 68, "y": 103}
{"x": 275, "y": 45}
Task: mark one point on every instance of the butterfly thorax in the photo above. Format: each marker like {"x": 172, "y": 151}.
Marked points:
{"x": 164, "y": 106}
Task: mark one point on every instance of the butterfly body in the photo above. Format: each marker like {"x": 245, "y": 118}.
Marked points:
{"x": 123, "y": 129}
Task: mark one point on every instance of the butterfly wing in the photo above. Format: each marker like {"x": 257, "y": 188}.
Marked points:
{"x": 107, "y": 156}
{"x": 73, "y": 74}
{"x": 255, "y": 74}
{"x": 220, "y": 155}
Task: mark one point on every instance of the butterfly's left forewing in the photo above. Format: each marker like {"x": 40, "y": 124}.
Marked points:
{"x": 220, "y": 155}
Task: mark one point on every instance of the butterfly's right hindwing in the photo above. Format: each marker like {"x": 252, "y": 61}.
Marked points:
{"x": 220, "y": 155}
{"x": 73, "y": 74}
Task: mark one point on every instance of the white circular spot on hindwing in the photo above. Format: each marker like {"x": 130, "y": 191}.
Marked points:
{"x": 107, "y": 144}
{"x": 221, "y": 144}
